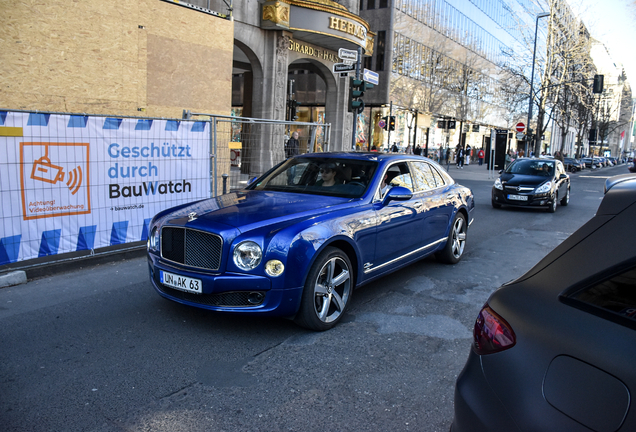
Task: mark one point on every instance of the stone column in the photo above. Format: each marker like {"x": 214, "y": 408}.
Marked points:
{"x": 270, "y": 148}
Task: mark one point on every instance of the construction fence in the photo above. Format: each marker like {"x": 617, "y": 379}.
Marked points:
{"x": 73, "y": 183}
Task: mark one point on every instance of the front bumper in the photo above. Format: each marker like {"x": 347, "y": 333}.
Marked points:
{"x": 531, "y": 200}
{"x": 477, "y": 407}
{"x": 228, "y": 292}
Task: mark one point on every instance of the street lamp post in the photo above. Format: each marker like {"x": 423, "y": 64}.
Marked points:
{"x": 534, "y": 55}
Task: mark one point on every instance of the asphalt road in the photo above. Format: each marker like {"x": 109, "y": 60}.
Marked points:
{"x": 97, "y": 350}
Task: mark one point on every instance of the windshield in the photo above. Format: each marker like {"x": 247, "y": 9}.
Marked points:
{"x": 534, "y": 167}
{"x": 347, "y": 178}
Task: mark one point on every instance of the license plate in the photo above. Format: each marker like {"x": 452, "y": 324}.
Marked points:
{"x": 181, "y": 282}
{"x": 518, "y": 197}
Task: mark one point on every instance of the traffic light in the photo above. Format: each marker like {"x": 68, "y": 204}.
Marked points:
{"x": 392, "y": 123}
{"x": 386, "y": 123}
{"x": 598, "y": 84}
{"x": 356, "y": 91}
{"x": 293, "y": 114}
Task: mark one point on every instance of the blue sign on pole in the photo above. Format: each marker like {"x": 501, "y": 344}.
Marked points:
{"x": 371, "y": 77}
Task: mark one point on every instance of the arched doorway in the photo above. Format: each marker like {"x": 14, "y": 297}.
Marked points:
{"x": 311, "y": 92}
{"x": 246, "y": 71}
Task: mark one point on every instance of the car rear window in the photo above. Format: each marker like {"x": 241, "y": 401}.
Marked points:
{"x": 613, "y": 298}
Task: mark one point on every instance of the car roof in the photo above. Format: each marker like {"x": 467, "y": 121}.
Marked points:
{"x": 372, "y": 156}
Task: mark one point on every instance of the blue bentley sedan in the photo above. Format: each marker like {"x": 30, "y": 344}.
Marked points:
{"x": 299, "y": 239}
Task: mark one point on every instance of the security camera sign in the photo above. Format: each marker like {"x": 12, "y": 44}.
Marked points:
{"x": 55, "y": 179}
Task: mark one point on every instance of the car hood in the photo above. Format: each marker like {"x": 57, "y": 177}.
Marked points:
{"x": 246, "y": 209}
{"x": 518, "y": 179}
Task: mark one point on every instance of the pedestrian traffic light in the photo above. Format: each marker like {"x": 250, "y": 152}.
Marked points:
{"x": 598, "y": 84}
{"x": 392, "y": 123}
{"x": 356, "y": 91}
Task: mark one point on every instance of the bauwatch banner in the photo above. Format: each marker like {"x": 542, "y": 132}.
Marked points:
{"x": 73, "y": 182}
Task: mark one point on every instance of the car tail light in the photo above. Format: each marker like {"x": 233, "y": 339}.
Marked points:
{"x": 492, "y": 333}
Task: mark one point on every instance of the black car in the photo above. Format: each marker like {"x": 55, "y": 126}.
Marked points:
{"x": 554, "y": 350}
{"x": 532, "y": 183}
{"x": 591, "y": 162}
{"x": 573, "y": 165}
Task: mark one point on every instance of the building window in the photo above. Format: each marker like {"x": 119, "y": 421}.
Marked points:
{"x": 371, "y": 4}
{"x": 383, "y": 4}
{"x": 379, "y": 60}
{"x": 367, "y": 62}
{"x": 361, "y": 4}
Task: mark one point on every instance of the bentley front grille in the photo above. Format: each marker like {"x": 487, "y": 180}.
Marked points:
{"x": 191, "y": 247}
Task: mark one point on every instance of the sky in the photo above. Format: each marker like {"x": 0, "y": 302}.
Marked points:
{"x": 612, "y": 22}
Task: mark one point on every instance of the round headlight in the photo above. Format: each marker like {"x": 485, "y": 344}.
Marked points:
{"x": 247, "y": 255}
{"x": 274, "y": 268}
{"x": 153, "y": 239}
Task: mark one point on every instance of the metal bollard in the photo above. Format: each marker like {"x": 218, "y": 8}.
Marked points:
{"x": 225, "y": 176}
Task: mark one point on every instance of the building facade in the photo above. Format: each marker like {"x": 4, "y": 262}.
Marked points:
{"x": 141, "y": 57}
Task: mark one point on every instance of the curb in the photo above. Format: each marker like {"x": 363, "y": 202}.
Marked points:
{"x": 13, "y": 278}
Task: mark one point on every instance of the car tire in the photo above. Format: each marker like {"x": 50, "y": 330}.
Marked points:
{"x": 553, "y": 203}
{"x": 573, "y": 169}
{"x": 456, "y": 242}
{"x": 327, "y": 292}
{"x": 566, "y": 199}
{"x": 495, "y": 204}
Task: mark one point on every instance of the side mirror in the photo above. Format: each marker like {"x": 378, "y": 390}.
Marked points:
{"x": 252, "y": 180}
{"x": 398, "y": 193}
{"x": 563, "y": 176}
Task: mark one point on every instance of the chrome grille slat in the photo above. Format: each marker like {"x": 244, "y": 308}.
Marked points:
{"x": 192, "y": 248}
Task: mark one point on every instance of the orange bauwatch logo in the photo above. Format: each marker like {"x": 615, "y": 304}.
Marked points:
{"x": 43, "y": 169}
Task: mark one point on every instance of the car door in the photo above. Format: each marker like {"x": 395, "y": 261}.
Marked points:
{"x": 436, "y": 212}
{"x": 397, "y": 229}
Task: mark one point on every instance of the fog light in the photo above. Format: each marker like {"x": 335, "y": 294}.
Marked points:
{"x": 255, "y": 298}
{"x": 274, "y": 268}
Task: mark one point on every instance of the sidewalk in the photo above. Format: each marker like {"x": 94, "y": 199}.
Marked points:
{"x": 471, "y": 172}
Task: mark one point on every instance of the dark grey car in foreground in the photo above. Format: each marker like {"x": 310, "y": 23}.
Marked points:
{"x": 555, "y": 350}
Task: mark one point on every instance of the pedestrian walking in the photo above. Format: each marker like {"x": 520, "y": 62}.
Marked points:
{"x": 468, "y": 154}
{"x": 480, "y": 155}
{"x": 292, "y": 146}
{"x": 509, "y": 159}
{"x": 460, "y": 157}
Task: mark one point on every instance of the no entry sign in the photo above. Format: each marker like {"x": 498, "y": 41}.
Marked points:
{"x": 520, "y": 127}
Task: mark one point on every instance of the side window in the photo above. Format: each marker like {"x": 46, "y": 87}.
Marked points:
{"x": 439, "y": 180}
{"x": 401, "y": 178}
{"x": 396, "y": 175}
{"x": 613, "y": 299}
{"x": 424, "y": 176}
